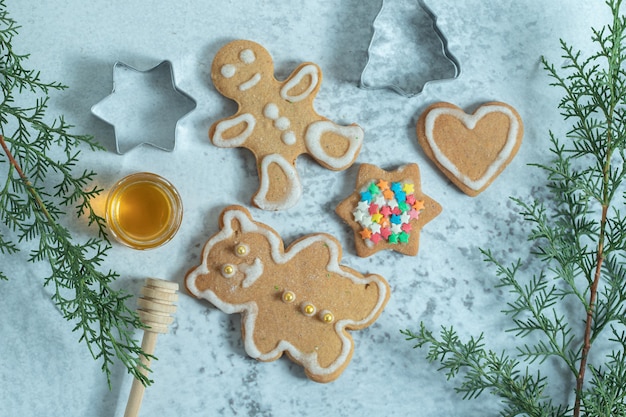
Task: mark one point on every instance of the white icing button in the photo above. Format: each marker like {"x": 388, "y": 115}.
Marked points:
{"x": 247, "y": 56}
{"x": 288, "y": 137}
{"x": 271, "y": 111}
{"x": 228, "y": 70}
{"x": 282, "y": 123}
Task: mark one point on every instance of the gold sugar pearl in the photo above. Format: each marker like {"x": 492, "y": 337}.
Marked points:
{"x": 228, "y": 271}
{"x": 327, "y": 316}
{"x": 308, "y": 309}
{"x": 242, "y": 250}
{"x": 289, "y": 296}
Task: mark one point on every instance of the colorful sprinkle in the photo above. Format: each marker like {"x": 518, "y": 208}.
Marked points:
{"x": 388, "y": 194}
{"x": 373, "y": 189}
{"x": 419, "y": 205}
{"x": 386, "y": 210}
{"x": 396, "y": 187}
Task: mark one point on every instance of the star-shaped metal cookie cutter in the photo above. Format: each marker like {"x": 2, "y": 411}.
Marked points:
{"x": 400, "y": 57}
{"x": 144, "y": 107}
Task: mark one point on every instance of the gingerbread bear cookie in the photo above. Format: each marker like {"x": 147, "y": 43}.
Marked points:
{"x": 387, "y": 210}
{"x": 470, "y": 149}
{"x": 298, "y": 300}
{"x": 277, "y": 122}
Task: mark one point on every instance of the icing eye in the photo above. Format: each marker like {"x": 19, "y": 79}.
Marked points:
{"x": 247, "y": 56}
{"x": 228, "y": 70}
{"x": 229, "y": 270}
{"x": 242, "y": 249}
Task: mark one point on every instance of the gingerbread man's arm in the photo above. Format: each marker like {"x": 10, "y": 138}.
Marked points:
{"x": 232, "y": 132}
{"x": 304, "y": 82}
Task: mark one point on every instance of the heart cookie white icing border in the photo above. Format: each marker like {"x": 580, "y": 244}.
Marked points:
{"x": 470, "y": 121}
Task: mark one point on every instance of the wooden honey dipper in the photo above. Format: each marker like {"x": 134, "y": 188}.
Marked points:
{"x": 155, "y": 311}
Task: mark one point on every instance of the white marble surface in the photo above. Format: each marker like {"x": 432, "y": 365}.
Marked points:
{"x": 202, "y": 369}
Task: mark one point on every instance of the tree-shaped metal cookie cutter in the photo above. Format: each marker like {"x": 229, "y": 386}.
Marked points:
{"x": 144, "y": 107}
{"x": 407, "y": 50}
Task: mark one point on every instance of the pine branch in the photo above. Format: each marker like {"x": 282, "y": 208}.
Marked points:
{"x": 580, "y": 238}
{"x": 41, "y": 184}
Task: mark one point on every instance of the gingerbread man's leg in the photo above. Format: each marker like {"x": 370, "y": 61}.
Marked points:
{"x": 280, "y": 186}
{"x": 323, "y": 135}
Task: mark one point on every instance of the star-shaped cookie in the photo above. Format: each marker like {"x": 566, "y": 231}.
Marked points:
{"x": 144, "y": 107}
{"x": 387, "y": 210}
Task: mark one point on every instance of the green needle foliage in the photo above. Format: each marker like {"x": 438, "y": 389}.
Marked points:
{"x": 38, "y": 161}
{"x": 580, "y": 239}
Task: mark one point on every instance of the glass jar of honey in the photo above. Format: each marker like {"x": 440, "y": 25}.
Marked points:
{"x": 143, "y": 210}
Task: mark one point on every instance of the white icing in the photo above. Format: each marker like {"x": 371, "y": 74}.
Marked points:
{"x": 254, "y": 80}
{"x": 238, "y": 140}
{"x": 470, "y": 122}
{"x": 313, "y": 140}
{"x": 250, "y": 309}
{"x": 311, "y": 70}
{"x": 247, "y": 56}
{"x": 251, "y": 272}
{"x": 294, "y": 187}
{"x": 288, "y": 137}
{"x": 271, "y": 111}
{"x": 228, "y": 70}
{"x": 282, "y": 123}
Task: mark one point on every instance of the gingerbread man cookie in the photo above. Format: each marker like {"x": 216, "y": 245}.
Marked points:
{"x": 277, "y": 122}
{"x": 298, "y": 300}
{"x": 387, "y": 210}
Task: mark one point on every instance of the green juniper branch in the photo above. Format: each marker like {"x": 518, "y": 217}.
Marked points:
{"x": 580, "y": 236}
{"x": 40, "y": 186}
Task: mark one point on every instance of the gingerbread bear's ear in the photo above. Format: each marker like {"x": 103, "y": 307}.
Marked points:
{"x": 235, "y": 218}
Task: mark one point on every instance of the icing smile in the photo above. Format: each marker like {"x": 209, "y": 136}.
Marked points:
{"x": 251, "y": 82}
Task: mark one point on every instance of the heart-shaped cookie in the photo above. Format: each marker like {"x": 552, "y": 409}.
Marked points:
{"x": 470, "y": 149}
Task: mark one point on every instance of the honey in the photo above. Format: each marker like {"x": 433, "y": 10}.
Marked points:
{"x": 143, "y": 211}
